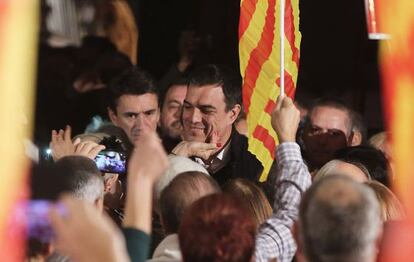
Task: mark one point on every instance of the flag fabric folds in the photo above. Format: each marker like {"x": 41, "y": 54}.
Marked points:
{"x": 18, "y": 45}
{"x": 259, "y": 51}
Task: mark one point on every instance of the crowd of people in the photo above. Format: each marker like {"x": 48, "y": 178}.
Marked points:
{"x": 183, "y": 185}
{"x": 192, "y": 182}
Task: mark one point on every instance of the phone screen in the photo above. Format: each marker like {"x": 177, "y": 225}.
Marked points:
{"x": 38, "y": 219}
{"x": 111, "y": 162}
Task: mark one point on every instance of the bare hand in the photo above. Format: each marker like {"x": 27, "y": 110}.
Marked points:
{"x": 148, "y": 158}
{"x": 285, "y": 119}
{"x": 99, "y": 237}
{"x": 88, "y": 149}
{"x": 61, "y": 143}
{"x": 192, "y": 148}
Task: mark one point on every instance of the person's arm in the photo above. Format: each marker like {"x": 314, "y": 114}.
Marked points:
{"x": 275, "y": 239}
{"x": 147, "y": 163}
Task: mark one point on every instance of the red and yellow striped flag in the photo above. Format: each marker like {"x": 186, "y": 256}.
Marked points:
{"x": 18, "y": 45}
{"x": 259, "y": 50}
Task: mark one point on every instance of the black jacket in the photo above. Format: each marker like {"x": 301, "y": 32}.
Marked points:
{"x": 243, "y": 164}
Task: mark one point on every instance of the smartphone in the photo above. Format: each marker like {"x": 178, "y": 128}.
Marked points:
{"x": 38, "y": 223}
{"x": 111, "y": 162}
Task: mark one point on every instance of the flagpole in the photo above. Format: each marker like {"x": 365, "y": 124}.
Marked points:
{"x": 282, "y": 48}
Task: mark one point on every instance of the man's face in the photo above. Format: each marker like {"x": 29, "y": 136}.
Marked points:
{"x": 136, "y": 114}
{"x": 329, "y": 130}
{"x": 204, "y": 112}
{"x": 170, "y": 121}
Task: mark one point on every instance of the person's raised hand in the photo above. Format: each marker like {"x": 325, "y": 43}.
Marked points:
{"x": 84, "y": 234}
{"x": 61, "y": 143}
{"x": 193, "y": 148}
{"x": 285, "y": 119}
{"x": 149, "y": 158}
{"x": 88, "y": 149}
{"x": 147, "y": 163}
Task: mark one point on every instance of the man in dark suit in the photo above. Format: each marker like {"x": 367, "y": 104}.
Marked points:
{"x": 211, "y": 106}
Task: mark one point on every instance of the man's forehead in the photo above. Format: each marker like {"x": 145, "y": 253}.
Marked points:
{"x": 138, "y": 102}
{"x": 206, "y": 94}
{"x": 176, "y": 91}
{"x": 330, "y": 118}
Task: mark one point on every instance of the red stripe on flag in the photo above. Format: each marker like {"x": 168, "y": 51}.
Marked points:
{"x": 289, "y": 85}
{"x": 262, "y": 134}
{"x": 259, "y": 55}
{"x": 269, "y": 107}
{"x": 247, "y": 10}
{"x": 290, "y": 31}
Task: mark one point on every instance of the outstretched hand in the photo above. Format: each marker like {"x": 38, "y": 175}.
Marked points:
{"x": 285, "y": 119}
{"x": 88, "y": 149}
{"x": 61, "y": 143}
{"x": 192, "y": 148}
{"x": 147, "y": 163}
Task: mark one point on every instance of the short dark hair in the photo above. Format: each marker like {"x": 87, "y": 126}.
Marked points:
{"x": 180, "y": 193}
{"x": 333, "y": 103}
{"x": 182, "y": 81}
{"x": 339, "y": 220}
{"x": 218, "y": 228}
{"x": 372, "y": 159}
{"x": 80, "y": 176}
{"x": 133, "y": 81}
{"x": 219, "y": 75}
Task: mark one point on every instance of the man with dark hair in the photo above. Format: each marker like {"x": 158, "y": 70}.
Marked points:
{"x": 330, "y": 126}
{"x": 183, "y": 190}
{"x": 211, "y": 106}
{"x": 133, "y": 103}
{"x": 170, "y": 126}
{"x": 75, "y": 175}
{"x": 339, "y": 220}
{"x": 81, "y": 178}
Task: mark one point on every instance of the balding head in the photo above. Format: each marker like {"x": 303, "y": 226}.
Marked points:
{"x": 339, "y": 221}
{"x": 180, "y": 194}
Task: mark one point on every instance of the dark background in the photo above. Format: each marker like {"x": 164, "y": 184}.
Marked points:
{"x": 337, "y": 59}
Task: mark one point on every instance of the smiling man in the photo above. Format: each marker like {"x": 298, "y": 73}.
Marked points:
{"x": 211, "y": 106}
{"x": 133, "y": 104}
{"x": 170, "y": 126}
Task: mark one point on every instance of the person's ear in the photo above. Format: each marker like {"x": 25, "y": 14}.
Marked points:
{"x": 99, "y": 204}
{"x": 234, "y": 112}
{"x": 356, "y": 138}
{"x": 112, "y": 116}
{"x": 110, "y": 181}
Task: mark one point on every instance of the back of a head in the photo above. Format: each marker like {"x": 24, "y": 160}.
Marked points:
{"x": 391, "y": 207}
{"x": 373, "y": 159}
{"x": 355, "y": 170}
{"x": 80, "y": 177}
{"x": 133, "y": 81}
{"x": 183, "y": 190}
{"x": 339, "y": 220}
{"x": 253, "y": 196}
{"x": 229, "y": 81}
{"x": 178, "y": 165}
{"x": 217, "y": 228}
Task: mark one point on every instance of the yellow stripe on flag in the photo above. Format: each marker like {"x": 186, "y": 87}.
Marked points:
{"x": 259, "y": 50}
